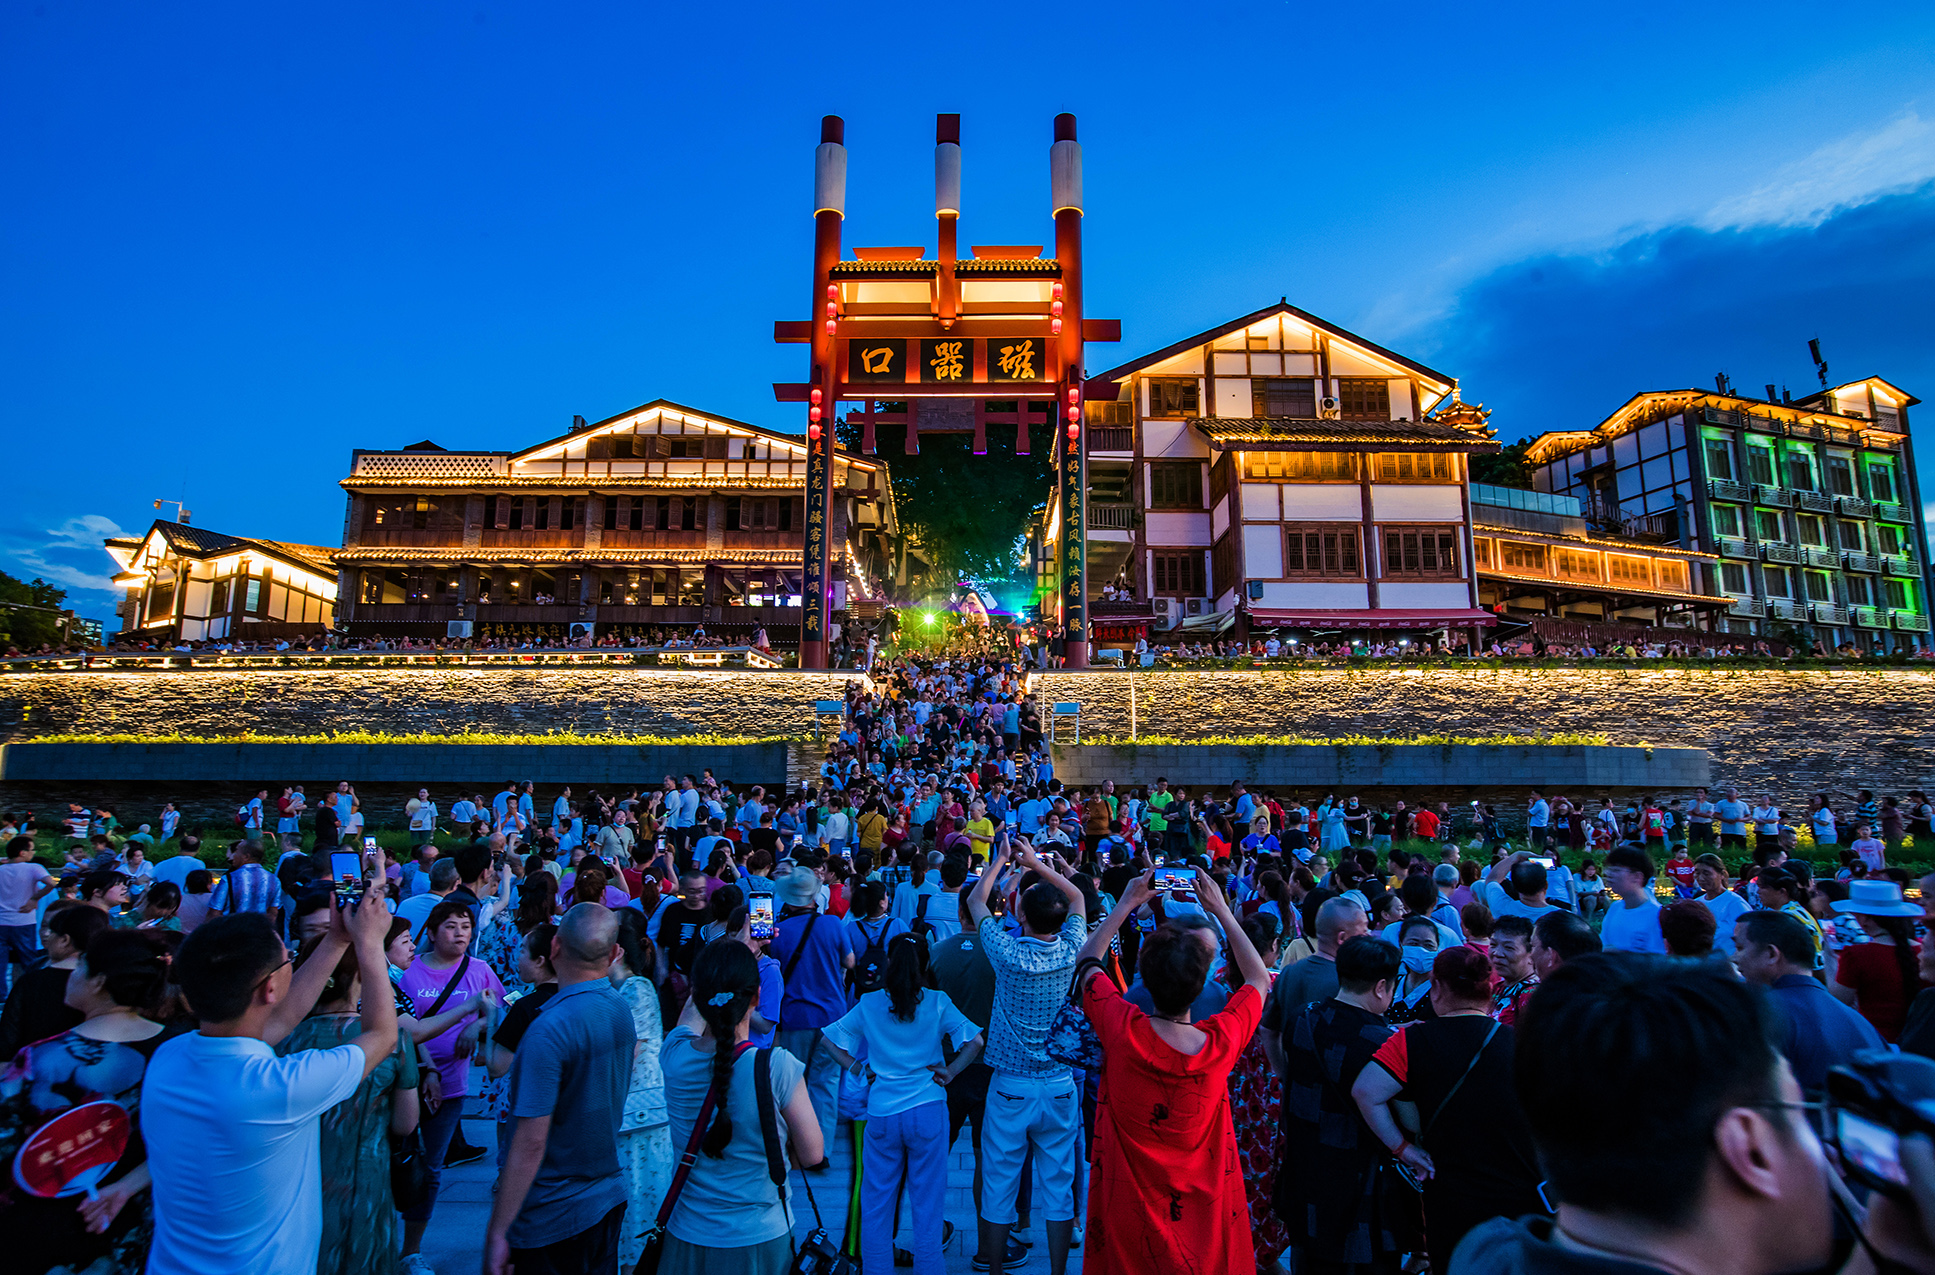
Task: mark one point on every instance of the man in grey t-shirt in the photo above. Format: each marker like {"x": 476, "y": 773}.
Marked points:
{"x": 561, "y": 1197}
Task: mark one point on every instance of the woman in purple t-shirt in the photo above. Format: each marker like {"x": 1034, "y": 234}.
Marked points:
{"x": 446, "y": 975}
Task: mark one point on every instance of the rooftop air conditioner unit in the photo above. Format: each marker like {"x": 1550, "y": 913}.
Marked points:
{"x": 457, "y": 628}
{"x": 1198, "y": 606}
{"x": 1328, "y": 408}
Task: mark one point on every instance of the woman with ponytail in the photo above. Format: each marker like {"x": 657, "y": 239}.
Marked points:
{"x": 910, "y": 1041}
{"x": 702, "y": 1057}
{"x": 359, "y": 1211}
{"x": 116, "y": 984}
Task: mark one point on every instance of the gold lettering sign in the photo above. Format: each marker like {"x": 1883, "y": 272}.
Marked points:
{"x": 1015, "y": 360}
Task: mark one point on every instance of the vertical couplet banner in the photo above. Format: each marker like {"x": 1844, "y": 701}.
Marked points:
{"x": 814, "y": 590}
{"x": 1074, "y": 498}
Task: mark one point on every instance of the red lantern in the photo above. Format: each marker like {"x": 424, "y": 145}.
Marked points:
{"x": 832, "y": 309}
{"x": 1057, "y": 293}
{"x": 831, "y": 327}
{"x": 832, "y": 292}
{"x": 1055, "y": 308}
{"x": 812, "y": 413}
{"x": 1074, "y": 393}
{"x": 815, "y": 396}
{"x": 1074, "y": 433}
{"x": 813, "y": 433}
{"x": 1055, "y": 326}
{"x": 1074, "y": 413}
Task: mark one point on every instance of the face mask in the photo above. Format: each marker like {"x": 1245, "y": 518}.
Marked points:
{"x": 1418, "y": 959}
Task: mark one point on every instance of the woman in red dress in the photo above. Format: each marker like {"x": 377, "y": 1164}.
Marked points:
{"x": 1166, "y": 1190}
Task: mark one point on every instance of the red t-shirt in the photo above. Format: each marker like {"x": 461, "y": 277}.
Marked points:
{"x": 1871, "y": 970}
{"x": 1426, "y": 822}
{"x": 1682, "y": 876}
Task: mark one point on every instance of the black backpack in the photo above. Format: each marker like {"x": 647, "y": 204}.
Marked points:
{"x": 922, "y": 926}
{"x": 870, "y": 968}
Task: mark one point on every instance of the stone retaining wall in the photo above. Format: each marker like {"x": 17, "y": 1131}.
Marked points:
{"x": 1312, "y": 769}
{"x": 1788, "y": 734}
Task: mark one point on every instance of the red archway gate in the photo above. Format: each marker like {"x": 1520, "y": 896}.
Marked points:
{"x": 944, "y": 336}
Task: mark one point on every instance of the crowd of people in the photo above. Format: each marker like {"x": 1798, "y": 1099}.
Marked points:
{"x": 1229, "y": 1031}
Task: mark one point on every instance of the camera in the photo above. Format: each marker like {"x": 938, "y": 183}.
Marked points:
{"x": 1871, "y": 1103}
{"x": 1175, "y": 878}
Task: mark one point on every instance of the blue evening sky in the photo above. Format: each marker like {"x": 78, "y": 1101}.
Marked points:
{"x": 241, "y": 240}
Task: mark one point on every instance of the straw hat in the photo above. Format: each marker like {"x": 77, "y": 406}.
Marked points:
{"x": 1877, "y": 898}
{"x": 798, "y": 888}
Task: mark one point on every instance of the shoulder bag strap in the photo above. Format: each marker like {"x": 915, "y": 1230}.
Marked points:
{"x": 450, "y": 987}
{"x": 792, "y": 962}
{"x": 1460, "y": 1083}
{"x": 699, "y": 1126}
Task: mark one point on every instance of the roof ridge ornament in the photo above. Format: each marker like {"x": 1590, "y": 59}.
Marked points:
{"x": 1467, "y": 416}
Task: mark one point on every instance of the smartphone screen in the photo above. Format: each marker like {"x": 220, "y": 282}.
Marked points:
{"x": 369, "y": 844}
{"x": 1175, "y": 880}
{"x": 346, "y": 874}
{"x": 1545, "y": 863}
{"x": 1872, "y": 1150}
{"x": 762, "y": 916}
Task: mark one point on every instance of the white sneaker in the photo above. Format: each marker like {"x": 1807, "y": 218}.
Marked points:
{"x": 418, "y": 1264}
{"x": 1076, "y": 1242}
{"x": 1025, "y": 1238}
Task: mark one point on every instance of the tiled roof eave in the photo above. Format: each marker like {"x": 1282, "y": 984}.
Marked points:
{"x": 460, "y": 554}
{"x": 1589, "y": 586}
{"x": 573, "y": 482}
{"x": 1271, "y": 433}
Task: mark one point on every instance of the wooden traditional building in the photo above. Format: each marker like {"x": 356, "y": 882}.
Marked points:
{"x": 1806, "y": 511}
{"x": 1279, "y": 472}
{"x": 659, "y": 517}
{"x": 190, "y": 584}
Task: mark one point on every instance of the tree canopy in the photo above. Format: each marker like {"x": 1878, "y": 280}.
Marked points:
{"x": 24, "y": 628}
{"x": 968, "y": 513}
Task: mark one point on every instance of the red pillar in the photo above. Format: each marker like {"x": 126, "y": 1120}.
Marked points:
{"x": 816, "y": 594}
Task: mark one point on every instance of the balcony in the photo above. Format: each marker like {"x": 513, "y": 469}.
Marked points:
{"x": 1855, "y": 507}
{"x": 1722, "y": 489}
{"x": 513, "y": 613}
{"x": 1909, "y": 622}
{"x": 1111, "y": 517}
{"x": 1888, "y": 511}
{"x": 1828, "y": 613}
{"x": 1899, "y": 564}
{"x": 1747, "y": 607}
{"x": 1783, "y": 609}
{"x": 1866, "y": 562}
{"x": 1113, "y": 438}
{"x": 1774, "y": 552}
{"x": 1819, "y": 557}
{"x": 1731, "y": 548}
{"x": 1773, "y": 497}
{"x": 1870, "y": 618}
{"x": 1817, "y": 502}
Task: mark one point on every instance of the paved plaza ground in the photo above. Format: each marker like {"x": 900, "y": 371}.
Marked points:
{"x": 455, "y": 1241}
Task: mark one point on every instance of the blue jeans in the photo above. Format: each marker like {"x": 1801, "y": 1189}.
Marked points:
{"x": 913, "y": 1143}
{"x": 18, "y": 943}
{"x": 822, "y": 1077}
{"x": 438, "y": 1130}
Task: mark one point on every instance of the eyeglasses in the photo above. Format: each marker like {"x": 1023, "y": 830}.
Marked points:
{"x": 271, "y": 974}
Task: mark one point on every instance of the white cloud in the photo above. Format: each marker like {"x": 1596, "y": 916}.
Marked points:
{"x": 1851, "y": 170}
{"x": 82, "y": 535}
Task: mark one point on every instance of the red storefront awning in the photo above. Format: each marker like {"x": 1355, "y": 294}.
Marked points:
{"x": 1385, "y": 618}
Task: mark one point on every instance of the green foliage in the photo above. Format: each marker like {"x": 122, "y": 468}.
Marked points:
{"x": 30, "y": 630}
{"x": 1355, "y": 741}
{"x": 967, "y": 512}
{"x": 1508, "y": 468}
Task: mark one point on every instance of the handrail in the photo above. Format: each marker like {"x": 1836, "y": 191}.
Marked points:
{"x": 112, "y": 661}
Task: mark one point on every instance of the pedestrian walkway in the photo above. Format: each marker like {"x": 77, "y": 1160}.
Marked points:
{"x": 455, "y": 1241}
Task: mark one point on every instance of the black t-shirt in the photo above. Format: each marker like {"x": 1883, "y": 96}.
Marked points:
{"x": 518, "y": 1018}
{"x": 766, "y": 839}
{"x": 1116, "y": 878}
{"x": 681, "y": 935}
{"x": 1380, "y": 824}
{"x": 327, "y": 825}
{"x": 1479, "y": 1139}
{"x": 36, "y": 1009}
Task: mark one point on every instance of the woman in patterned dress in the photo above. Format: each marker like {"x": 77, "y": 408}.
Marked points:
{"x": 1256, "y": 1109}
{"x": 102, "y": 1060}
{"x": 645, "y": 1135}
{"x": 500, "y": 946}
{"x": 359, "y": 1210}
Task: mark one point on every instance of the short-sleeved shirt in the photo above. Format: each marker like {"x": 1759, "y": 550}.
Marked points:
{"x": 1633, "y": 929}
{"x": 1733, "y": 817}
{"x": 1031, "y": 982}
{"x": 735, "y": 1189}
{"x": 18, "y": 881}
{"x": 1873, "y": 970}
{"x": 1493, "y": 896}
{"x": 518, "y": 1018}
{"x": 900, "y": 1053}
{"x": 235, "y": 1146}
{"x": 248, "y": 888}
{"x": 1727, "y": 908}
{"x": 816, "y": 991}
{"x": 962, "y": 970}
{"x": 574, "y": 1065}
{"x": 1314, "y": 978}
{"x": 424, "y": 986}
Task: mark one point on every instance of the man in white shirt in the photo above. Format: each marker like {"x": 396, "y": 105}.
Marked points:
{"x": 423, "y": 818}
{"x": 1538, "y": 818}
{"x": 186, "y": 859}
{"x": 233, "y": 1132}
{"x": 1710, "y": 873}
{"x": 1528, "y": 879}
{"x": 1634, "y": 926}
